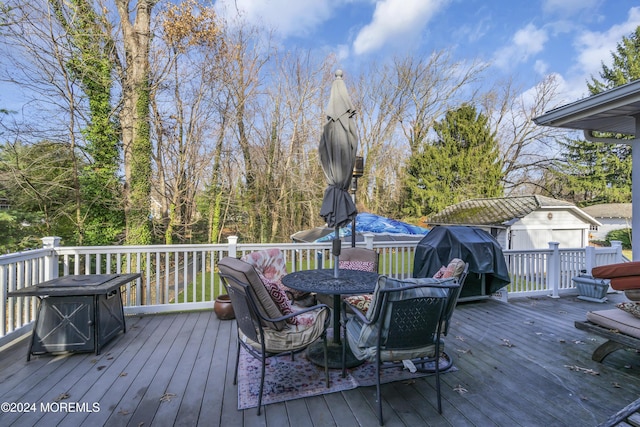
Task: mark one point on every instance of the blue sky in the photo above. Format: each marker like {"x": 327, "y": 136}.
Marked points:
{"x": 524, "y": 39}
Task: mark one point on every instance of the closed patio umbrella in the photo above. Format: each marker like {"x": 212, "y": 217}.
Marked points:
{"x": 338, "y": 146}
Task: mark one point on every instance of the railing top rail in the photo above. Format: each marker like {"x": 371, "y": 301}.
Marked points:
{"x": 219, "y": 246}
{"x": 25, "y": 255}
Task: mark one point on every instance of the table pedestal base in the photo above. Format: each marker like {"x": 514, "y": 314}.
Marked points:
{"x": 315, "y": 353}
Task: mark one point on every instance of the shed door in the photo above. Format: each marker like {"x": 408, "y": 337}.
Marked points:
{"x": 530, "y": 239}
{"x": 568, "y": 238}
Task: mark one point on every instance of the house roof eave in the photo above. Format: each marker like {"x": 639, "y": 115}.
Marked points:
{"x": 614, "y": 110}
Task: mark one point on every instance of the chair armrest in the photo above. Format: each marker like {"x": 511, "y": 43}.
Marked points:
{"x": 356, "y": 311}
{"x": 294, "y": 314}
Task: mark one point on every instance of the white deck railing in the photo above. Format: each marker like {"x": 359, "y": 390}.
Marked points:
{"x": 182, "y": 277}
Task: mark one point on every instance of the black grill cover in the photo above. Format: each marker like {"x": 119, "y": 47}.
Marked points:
{"x": 472, "y": 245}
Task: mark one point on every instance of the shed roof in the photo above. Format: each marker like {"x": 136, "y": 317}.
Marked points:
{"x": 501, "y": 212}
{"x": 609, "y": 210}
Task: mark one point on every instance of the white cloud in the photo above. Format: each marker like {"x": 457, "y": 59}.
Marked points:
{"x": 286, "y": 17}
{"x": 541, "y": 67}
{"x": 526, "y": 42}
{"x": 594, "y": 48}
{"x": 395, "y": 20}
{"x": 568, "y": 7}
{"x": 342, "y": 52}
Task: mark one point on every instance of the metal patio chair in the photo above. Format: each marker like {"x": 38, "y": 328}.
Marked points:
{"x": 404, "y": 323}
{"x": 263, "y": 331}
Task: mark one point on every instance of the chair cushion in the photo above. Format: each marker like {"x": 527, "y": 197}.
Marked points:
{"x": 245, "y": 273}
{"x": 357, "y": 265}
{"x": 359, "y": 254}
{"x": 622, "y": 269}
{"x": 624, "y": 283}
{"x": 361, "y": 302}
{"x": 293, "y": 337}
{"x": 629, "y": 307}
{"x": 270, "y": 264}
{"x": 616, "y": 319}
{"x": 354, "y": 334}
{"x": 453, "y": 269}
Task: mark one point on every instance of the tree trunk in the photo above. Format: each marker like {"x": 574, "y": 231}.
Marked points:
{"x": 134, "y": 118}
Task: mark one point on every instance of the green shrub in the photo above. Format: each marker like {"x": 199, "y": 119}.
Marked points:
{"x": 623, "y": 235}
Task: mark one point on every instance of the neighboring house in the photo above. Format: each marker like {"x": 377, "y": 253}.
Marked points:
{"x": 613, "y": 216}
{"x": 523, "y": 222}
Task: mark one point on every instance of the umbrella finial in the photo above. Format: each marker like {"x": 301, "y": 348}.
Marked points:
{"x": 338, "y": 74}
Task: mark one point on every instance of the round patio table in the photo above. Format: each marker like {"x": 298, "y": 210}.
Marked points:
{"x": 324, "y": 281}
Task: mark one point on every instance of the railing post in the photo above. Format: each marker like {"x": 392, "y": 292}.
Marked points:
{"x": 51, "y": 261}
{"x": 589, "y": 259}
{"x": 368, "y": 240}
{"x": 617, "y": 245}
{"x": 233, "y": 246}
{"x": 553, "y": 267}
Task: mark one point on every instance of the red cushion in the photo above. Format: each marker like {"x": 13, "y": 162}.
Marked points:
{"x": 622, "y": 269}
{"x": 624, "y": 283}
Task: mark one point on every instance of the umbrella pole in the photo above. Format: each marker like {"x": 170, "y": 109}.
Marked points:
{"x": 337, "y": 246}
{"x": 353, "y": 233}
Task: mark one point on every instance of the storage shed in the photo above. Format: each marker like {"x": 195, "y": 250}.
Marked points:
{"x": 523, "y": 222}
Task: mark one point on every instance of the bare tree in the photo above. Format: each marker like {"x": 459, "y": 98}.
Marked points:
{"x": 400, "y": 102}
{"x": 35, "y": 53}
{"x": 183, "y": 105}
{"x": 527, "y": 149}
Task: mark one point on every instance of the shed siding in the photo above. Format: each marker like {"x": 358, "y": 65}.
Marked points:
{"x": 536, "y": 230}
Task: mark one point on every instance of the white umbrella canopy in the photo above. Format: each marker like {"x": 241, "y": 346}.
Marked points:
{"x": 338, "y": 146}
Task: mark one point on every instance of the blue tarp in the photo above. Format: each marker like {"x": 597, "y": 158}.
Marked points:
{"x": 379, "y": 225}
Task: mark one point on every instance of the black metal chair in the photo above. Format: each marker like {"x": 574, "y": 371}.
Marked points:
{"x": 262, "y": 330}
{"x": 404, "y": 322}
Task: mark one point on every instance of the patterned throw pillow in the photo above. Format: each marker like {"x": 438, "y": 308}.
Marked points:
{"x": 440, "y": 273}
{"x": 361, "y": 302}
{"x": 279, "y": 298}
{"x": 357, "y": 265}
{"x": 630, "y": 307}
{"x": 454, "y": 269}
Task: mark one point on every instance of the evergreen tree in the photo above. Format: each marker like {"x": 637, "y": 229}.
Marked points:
{"x": 625, "y": 67}
{"x": 463, "y": 162}
{"x": 591, "y": 173}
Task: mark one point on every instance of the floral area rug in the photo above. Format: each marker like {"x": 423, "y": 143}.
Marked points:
{"x": 287, "y": 380}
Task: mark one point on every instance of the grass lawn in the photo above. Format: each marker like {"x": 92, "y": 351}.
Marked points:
{"x": 199, "y": 294}
{"x": 205, "y": 295}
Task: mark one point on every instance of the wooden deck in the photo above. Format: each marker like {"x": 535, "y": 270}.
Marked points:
{"x": 519, "y": 364}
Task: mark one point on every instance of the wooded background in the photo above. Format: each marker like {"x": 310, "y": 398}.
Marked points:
{"x": 154, "y": 122}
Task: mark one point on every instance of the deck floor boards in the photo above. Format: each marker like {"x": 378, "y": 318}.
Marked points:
{"x": 521, "y": 363}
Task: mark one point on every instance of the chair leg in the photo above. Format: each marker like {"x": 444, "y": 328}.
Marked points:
{"x": 264, "y": 362}
{"x": 344, "y": 356}
{"x": 326, "y": 361}
{"x": 438, "y": 392}
{"x": 378, "y": 392}
{"x": 437, "y": 364}
{"x": 235, "y": 375}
